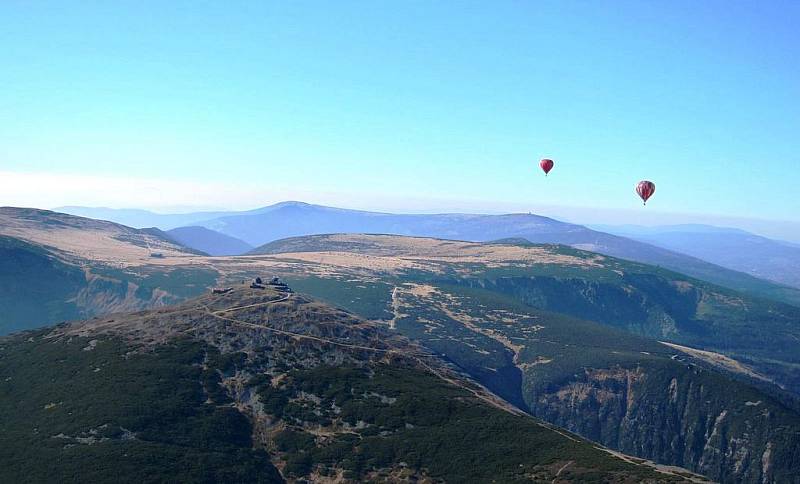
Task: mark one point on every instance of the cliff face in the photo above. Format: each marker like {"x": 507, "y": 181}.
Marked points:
{"x": 104, "y": 295}
{"x": 685, "y": 418}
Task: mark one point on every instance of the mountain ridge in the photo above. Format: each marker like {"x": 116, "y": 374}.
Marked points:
{"x": 290, "y": 219}
{"x": 213, "y": 389}
{"x": 298, "y": 219}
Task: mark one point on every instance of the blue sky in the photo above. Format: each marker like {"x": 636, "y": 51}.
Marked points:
{"x": 403, "y": 105}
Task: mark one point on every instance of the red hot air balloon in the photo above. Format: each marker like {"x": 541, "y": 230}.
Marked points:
{"x": 645, "y": 189}
{"x": 546, "y": 165}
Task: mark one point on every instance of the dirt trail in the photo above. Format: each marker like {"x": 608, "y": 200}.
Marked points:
{"x": 664, "y": 469}
{"x": 267, "y": 303}
{"x": 396, "y": 314}
{"x": 562, "y": 470}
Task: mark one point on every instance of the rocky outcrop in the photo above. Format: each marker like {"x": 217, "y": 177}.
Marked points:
{"x": 105, "y": 295}
{"x": 691, "y": 418}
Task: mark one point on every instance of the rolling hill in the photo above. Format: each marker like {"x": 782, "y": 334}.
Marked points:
{"x": 263, "y": 386}
{"x": 88, "y": 239}
{"x": 120, "y": 273}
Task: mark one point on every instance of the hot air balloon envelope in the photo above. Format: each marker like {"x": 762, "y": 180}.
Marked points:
{"x": 546, "y": 165}
{"x": 645, "y": 189}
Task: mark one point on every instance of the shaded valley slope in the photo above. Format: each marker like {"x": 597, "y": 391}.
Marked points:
{"x": 56, "y": 267}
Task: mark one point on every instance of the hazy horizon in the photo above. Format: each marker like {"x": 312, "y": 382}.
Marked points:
{"x": 784, "y": 230}
{"x": 387, "y": 107}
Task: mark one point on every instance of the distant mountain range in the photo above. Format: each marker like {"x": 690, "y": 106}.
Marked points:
{"x": 292, "y": 219}
{"x": 209, "y": 241}
{"x": 728, "y": 247}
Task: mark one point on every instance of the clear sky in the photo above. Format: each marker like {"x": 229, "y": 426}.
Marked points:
{"x": 403, "y": 105}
